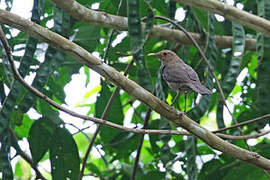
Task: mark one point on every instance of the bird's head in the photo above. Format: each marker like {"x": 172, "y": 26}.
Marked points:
{"x": 166, "y": 57}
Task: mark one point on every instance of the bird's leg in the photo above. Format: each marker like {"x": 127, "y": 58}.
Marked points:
{"x": 174, "y": 99}
{"x": 185, "y": 102}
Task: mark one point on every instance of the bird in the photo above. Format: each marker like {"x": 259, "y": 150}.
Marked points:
{"x": 178, "y": 75}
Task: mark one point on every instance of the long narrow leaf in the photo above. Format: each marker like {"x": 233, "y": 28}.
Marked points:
{"x": 263, "y": 51}
{"x": 197, "y": 112}
{"x": 137, "y": 40}
{"x": 64, "y": 156}
{"x": 24, "y": 68}
{"x": 5, "y": 160}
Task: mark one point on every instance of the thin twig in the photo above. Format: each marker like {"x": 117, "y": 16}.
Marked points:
{"x": 108, "y": 46}
{"x": 89, "y": 139}
{"x": 244, "y": 137}
{"x": 147, "y": 117}
{"x": 80, "y": 130}
{"x": 244, "y": 123}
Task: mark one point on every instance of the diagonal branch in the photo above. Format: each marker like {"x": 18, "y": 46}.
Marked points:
{"x": 232, "y": 13}
{"x": 119, "y": 23}
{"x": 126, "y": 84}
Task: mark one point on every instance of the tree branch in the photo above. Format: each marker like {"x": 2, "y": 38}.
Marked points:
{"x": 267, "y": 116}
{"x": 119, "y": 23}
{"x": 244, "y": 137}
{"x": 126, "y": 84}
{"x": 232, "y": 13}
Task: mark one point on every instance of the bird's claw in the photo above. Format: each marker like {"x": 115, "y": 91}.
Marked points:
{"x": 180, "y": 114}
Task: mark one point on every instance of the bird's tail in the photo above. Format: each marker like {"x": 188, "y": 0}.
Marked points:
{"x": 199, "y": 88}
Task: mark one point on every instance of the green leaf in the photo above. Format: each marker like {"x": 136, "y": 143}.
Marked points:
{"x": 87, "y": 36}
{"x": 212, "y": 169}
{"x": 191, "y": 153}
{"x": 234, "y": 68}
{"x": 92, "y": 91}
{"x": 40, "y": 80}
{"x": 42, "y": 130}
{"x": 123, "y": 144}
{"x": 24, "y": 68}
{"x": 137, "y": 40}
{"x": 87, "y": 74}
{"x": 5, "y": 159}
{"x": 246, "y": 172}
{"x": 211, "y": 53}
{"x": 93, "y": 168}
{"x": 17, "y": 117}
{"x": 153, "y": 175}
{"x": 202, "y": 17}
{"x": 115, "y": 113}
{"x": 198, "y": 111}
{"x": 263, "y": 69}
{"x": 220, "y": 120}
{"x": 127, "y": 169}
{"x": 155, "y": 149}
{"x": 172, "y": 9}
{"x": 7, "y": 68}
{"x": 229, "y": 80}
{"x": 22, "y": 170}
{"x": 161, "y": 87}
{"x": 64, "y": 157}
{"x": 53, "y": 59}
{"x": 2, "y": 92}
{"x": 134, "y": 25}
{"x": 23, "y": 129}
{"x": 142, "y": 72}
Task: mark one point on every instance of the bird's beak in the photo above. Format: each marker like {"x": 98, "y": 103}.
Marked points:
{"x": 151, "y": 54}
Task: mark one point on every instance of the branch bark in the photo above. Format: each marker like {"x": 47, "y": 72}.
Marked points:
{"x": 229, "y": 12}
{"x": 131, "y": 88}
{"x": 119, "y": 23}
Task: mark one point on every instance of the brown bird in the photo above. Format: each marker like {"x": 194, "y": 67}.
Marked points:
{"x": 179, "y": 76}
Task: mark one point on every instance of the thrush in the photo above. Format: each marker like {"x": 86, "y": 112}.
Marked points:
{"x": 179, "y": 76}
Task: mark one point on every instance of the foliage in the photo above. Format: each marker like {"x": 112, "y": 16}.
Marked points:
{"x": 50, "y": 136}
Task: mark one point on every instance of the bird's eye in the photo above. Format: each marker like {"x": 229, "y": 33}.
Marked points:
{"x": 164, "y": 53}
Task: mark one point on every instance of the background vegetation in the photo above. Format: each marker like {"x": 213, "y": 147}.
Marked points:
{"x": 241, "y": 62}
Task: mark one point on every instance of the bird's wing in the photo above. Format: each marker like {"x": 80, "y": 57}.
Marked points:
{"x": 175, "y": 73}
{"x": 191, "y": 73}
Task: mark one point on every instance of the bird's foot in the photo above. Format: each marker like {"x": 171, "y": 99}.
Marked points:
{"x": 180, "y": 114}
